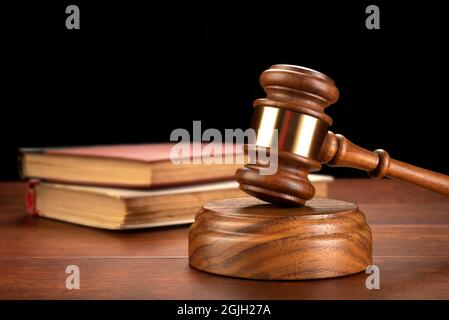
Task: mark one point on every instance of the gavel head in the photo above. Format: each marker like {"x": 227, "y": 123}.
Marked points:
{"x": 290, "y": 122}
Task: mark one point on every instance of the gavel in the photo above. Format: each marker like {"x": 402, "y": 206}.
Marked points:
{"x": 294, "y": 109}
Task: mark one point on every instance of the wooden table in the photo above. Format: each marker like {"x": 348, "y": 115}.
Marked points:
{"x": 411, "y": 248}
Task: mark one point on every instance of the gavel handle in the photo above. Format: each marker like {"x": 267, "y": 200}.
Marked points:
{"x": 337, "y": 151}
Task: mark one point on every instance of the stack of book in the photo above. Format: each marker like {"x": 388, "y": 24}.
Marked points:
{"x": 126, "y": 186}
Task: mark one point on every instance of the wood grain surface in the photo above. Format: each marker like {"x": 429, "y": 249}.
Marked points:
{"x": 252, "y": 239}
{"x": 410, "y": 245}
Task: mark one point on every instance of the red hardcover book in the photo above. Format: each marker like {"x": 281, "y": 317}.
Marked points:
{"x": 115, "y": 208}
{"x": 30, "y": 201}
{"x": 134, "y": 166}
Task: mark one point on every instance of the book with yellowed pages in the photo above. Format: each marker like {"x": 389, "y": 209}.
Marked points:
{"x": 120, "y": 209}
{"x": 128, "y": 166}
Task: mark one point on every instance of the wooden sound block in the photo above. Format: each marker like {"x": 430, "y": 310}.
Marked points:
{"x": 249, "y": 238}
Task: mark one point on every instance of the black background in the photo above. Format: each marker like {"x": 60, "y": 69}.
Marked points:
{"x": 137, "y": 70}
{"x": 287, "y": 309}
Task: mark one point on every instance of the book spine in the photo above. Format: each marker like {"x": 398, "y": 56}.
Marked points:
{"x": 21, "y": 159}
{"x": 20, "y": 164}
{"x": 30, "y": 200}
